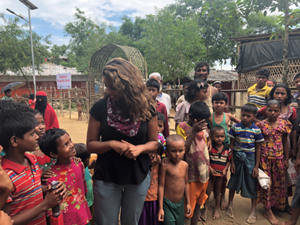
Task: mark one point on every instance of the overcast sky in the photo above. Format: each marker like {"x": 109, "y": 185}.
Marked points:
{"x": 52, "y": 15}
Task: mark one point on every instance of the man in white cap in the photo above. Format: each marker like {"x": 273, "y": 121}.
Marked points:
{"x": 162, "y": 97}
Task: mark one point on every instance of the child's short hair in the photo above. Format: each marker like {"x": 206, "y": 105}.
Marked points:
{"x": 194, "y": 87}
{"x": 160, "y": 149}
{"x": 216, "y": 128}
{"x": 199, "y": 110}
{"x": 289, "y": 96}
{"x": 81, "y": 152}
{"x": 263, "y": 72}
{"x": 219, "y": 97}
{"x": 249, "y": 108}
{"x": 13, "y": 105}
{"x": 296, "y": 76}
{"x": 202, "y": 64}
{"x": 273, "y": 102}
{"x": 153, "y": 83}
{"x": 7, "y": 91}
{"x": 173, "y": 137}
{"x": 48, "y": 142}
{"x": 161, "y": 117}
{"x": 15, "y": 123}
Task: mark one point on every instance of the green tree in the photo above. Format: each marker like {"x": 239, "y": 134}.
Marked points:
{"x": 15, "y": 48}
{"x": 172, "y": 44}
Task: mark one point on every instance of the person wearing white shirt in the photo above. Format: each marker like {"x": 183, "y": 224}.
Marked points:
{"x": 162, "y": 97}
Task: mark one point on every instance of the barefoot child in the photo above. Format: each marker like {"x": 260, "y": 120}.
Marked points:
{"x": 25, "y": 203}
{"x": 196, "y": 156}
{"x": 220, "y": 157}
{"x": 245, "y": 141}
{"x": 274, "y": 159}
{"x": 173, "y": 184}
{"x": 56, "y": 143}
{"x": 219, "y": 118}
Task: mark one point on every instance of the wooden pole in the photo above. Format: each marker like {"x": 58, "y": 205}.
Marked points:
{"x": 70, "y": 102}
{"x": 61, "y": 102}
{"x": 87, "y": 100}
{"x": 55, "y": 101}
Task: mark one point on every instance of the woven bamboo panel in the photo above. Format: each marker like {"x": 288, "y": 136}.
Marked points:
{"x": 276, "y": 69}
{"x": 100, "y": 58}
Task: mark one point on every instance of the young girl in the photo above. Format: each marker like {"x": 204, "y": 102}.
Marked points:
{"x": 56, "y": 143}
{"x": 197, "y": 91}
{"x": 282, "y": 93}
{"x": 274, "y": 159}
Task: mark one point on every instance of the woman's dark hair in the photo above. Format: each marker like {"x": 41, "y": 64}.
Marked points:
{"x": 289, "y": 98}
{"x": 296, "y": 76}
{"x": 199, "y": 110}
{"x": 249, "y": 108}
{"x": 193, "y": 88}
{"x": 153, "y": 83}
{"x": 273, "y": 102}
{"x": 264, "y": 72}
{"x": 161, "y": 117}
{"x": 48, "y": 142}
{"x": 219, "y": 97}
{"x": 81, "y": 152}
{"x": 186, "y": 84}
{"x": 15, "y": 123}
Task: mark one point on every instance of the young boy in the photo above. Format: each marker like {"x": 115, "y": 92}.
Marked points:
{"x": 173, "y": 184}
{"x": 297, "y": 84}
{"x": 259, "y": 92}
{"x": 25, "y": 203}
{"x": 245, "y": 140}
{"x": 154, "y": 87}
{"x": 196, "y": 156}
{"x": 219, "y": 118}
{"x": 220, "y": 157}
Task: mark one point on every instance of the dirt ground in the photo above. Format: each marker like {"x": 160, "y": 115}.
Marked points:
{"x": 242, "y": 206}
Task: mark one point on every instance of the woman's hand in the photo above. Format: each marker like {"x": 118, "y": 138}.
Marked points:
{"x": 119, "y": 147}
{"x": 133, "y": 151}
{"x": 47, "y": 174}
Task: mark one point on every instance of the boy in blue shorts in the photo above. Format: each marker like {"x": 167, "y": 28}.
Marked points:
{"x": 245, "y": 140}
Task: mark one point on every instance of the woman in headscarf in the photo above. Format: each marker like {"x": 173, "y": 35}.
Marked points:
{"x": 46, "y": 110}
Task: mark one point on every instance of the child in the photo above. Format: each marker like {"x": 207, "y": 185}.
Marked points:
{"x": 196, "y": 156}
{"x": 220, "y": 157}
{"x": 56, "y": 143}
{"x": 84, "y": 155}
{"x": 154, "y": 87}
{"x": 173, "y": 184}
{"x": 274, "y": 159}
{"x": 245, "y": 140}
{"x": 150, "y": 209}
{"x": 197, "y": 91}
{"x": 219, "y": 118}
{"x": 161, "y": 124}
{"x": 297, "y": 84}
{"x": 25, "y": 203}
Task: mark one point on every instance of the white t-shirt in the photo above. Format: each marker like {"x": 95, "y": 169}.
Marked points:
{"x": 165, "y": 98}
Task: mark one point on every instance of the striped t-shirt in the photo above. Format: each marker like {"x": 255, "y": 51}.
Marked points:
{"x": 218, "y": 160}
{"x": 258, "y": 98}
{"x": 27, "y": 189}
{"x": 245, "y": 137}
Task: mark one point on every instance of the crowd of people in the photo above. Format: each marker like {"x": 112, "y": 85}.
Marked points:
{"x": 144, "y": 175}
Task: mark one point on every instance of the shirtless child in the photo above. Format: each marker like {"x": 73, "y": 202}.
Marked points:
{"x": 173, "y": 184}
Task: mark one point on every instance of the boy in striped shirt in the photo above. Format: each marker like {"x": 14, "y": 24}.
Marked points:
{"x": 25, "y": 203}
{"x": 245, "y": 141}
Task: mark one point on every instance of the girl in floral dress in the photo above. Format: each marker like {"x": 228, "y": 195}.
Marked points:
{"x": 274, "y": 159}
{"x": 282, "y": 93}
{"x": 56, "y": 143}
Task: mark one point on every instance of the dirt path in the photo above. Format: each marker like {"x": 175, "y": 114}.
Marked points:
{"x": 78, "y": 130}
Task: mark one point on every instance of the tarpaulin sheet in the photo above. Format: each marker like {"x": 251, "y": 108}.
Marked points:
{"x": 258, "y": 54}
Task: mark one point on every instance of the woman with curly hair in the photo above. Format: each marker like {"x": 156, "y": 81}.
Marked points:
{"x": 122, "y": 131}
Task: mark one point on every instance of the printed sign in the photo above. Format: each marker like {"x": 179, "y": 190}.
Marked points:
{"x": 63, "y": 81}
